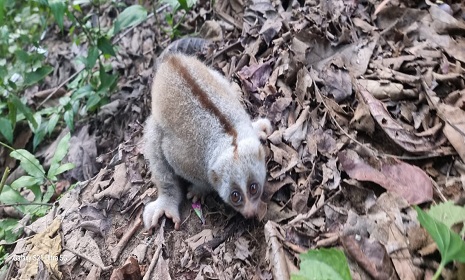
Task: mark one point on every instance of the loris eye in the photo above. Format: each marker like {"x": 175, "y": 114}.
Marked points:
{"x": 253, "y": 188}
{"x": 235, "y": 197}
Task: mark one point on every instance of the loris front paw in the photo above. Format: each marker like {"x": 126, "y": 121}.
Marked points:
{"x": 195, "y": 194}
{"x": 156, "y": 209}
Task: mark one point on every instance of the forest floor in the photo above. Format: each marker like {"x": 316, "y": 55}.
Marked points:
{"x": 367, "y": 102}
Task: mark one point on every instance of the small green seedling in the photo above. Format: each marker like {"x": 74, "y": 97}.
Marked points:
{"x": 450, "y": 245}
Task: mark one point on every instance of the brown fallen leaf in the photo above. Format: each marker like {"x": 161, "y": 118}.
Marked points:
{"x": 82, "y": 152}
{"x": 285, "y": 156}
{"x": 338, "y": 83}
{"x": 45, "y": 245}
{"x": 408, "y": 181}
{"x": 297, "y": 132}
{"x": 454, "y": 119}
{"x": 129, "y": 271}
{"x": 370, "y": 255}
{"x": 242, "y": 250}
{"x": 362, "y": 120}
{"x": 119, "y": 186}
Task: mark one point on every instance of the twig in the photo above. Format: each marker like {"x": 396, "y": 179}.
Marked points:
{"x": 103, "y": 268}
{"x": 333, "y": 118}
{"x": 156, "y": 255}
{"x": 310, "y": 213}
{"x": 116, "y": 251}
{"x": 26, "y": 203}
{"x": 60, "y": 86}
{"x": 130, "y": 29}
{"x": 438, "y": 190}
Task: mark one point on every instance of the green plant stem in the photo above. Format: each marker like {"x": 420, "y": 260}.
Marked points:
{"x": 438, "y": 272}
{"x": 92, "y": 40}
{"x": 5, "y": 175}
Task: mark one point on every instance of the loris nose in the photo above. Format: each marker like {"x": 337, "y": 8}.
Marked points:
{"x": 249, "y": 211}
{"x": 248, "y": 215}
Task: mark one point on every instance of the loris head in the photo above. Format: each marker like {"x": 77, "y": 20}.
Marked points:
{"x": 239, "y": 174}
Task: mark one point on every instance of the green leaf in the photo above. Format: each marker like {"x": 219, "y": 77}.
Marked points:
{"x": 185, "y": 5}
{"x": 77, "y": 8}
{"x": 58, "y": 8}
{"x": 37, "y": 191}
{"x": 12, "y": 113}
{"x": 7, "y": 229}
{"x": 106, "y": 80}
{"x": 60, "y": 153}
{"x": 39, "y": 135}
{"x": 52, "y": 123}
{"x": 23, "y": 109}
{"x": 449, "y": 243}
{"x": 2, "y": 14}
{"x": 11, "y": 196}
{"x": 92, "y": 102}
{"x": 6, "y": 129}
{"x": 29, "y": 163}
{"x": 37, "y": 75}
{"x": 25, "y": 182}
{"x": 64, "y": 167}
{"x": 448, "y": 213}
{"x": 69, "y": 119}
{"x": 323, "y": 264}
{"x": 48, "y": 194}
{"x": 105, "y": 46}
{"x": 132, "y": 15}
{"x": 92, "y": 56}
{"x": 62, "y": 149}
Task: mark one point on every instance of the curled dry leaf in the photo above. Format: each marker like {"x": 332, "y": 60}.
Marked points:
{"x": 130, "y": 270}
{"x": 408, "y": 181}
{"x": 407, "y": 140}
{"x": 255, "y": 76}
{"x": 383, "y": 89}
{"x": 370, "y": 255}
{"x": 275, "y": 252}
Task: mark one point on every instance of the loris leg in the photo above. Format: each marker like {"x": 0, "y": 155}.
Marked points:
{"x": 167, "y": 182}
{"x": 263, "y": 128}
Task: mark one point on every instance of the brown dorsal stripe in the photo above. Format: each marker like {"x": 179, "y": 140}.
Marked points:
{"x": 203, "y": 98}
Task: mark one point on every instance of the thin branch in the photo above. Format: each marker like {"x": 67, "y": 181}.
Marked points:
{"x": 27, "y": 204}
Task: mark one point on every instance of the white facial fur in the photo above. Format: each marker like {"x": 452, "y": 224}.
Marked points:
{"x": 236, "y": 171}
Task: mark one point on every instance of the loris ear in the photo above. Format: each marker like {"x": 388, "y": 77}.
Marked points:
{"x": 263, "y": 128}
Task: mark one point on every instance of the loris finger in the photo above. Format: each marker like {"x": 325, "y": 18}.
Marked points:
{"x": 176, "y": 220}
